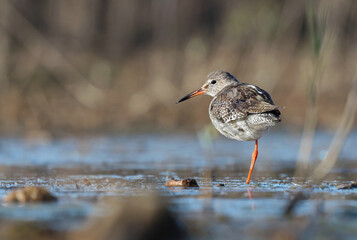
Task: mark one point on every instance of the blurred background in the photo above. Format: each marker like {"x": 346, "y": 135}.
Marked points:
{"x": 94, "y": 66}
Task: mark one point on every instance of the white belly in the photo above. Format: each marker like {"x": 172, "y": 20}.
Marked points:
{"x": 242, "y": 130}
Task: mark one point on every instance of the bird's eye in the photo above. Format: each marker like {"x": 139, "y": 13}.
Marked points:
{"x": 213, "y": 82}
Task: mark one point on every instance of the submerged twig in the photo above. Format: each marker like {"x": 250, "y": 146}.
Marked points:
{"x": 297, "y": 198}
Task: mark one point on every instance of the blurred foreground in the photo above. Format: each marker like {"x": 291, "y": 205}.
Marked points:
{"x": 113, "y": 188}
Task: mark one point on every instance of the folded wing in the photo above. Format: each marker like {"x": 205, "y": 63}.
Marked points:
{"x": 236, "y": 103}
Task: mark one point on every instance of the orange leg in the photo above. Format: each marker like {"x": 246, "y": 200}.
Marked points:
{"x": 254, "y": 157}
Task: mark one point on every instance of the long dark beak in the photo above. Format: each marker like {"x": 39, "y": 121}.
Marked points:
{"x": 192, "y": 94}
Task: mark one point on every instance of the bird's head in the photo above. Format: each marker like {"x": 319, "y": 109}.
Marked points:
{"x": 216, "y": 82}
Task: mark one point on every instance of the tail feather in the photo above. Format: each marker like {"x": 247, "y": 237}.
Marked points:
{"x": 275, "y": 114}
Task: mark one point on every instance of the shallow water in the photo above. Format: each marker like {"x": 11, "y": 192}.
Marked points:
{"x": 133, "y": 165}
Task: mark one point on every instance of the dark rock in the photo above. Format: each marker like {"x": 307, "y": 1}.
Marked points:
{"x": 347, "y": 186}
{"x": 182, "y": 183}
{"x": 220, "y": 185}
{"x": 30, "y": 194}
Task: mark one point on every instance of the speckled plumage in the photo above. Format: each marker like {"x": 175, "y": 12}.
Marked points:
{"x": 238, "y": 110}
{"x": 243, "y": 112}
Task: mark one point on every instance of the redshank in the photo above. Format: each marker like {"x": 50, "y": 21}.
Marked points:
{"x": 238, "y": 111}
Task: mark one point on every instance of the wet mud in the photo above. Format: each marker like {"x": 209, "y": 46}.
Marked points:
{"x": 86, "y": 174}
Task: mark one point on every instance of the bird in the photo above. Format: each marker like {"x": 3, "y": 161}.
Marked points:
{"x": 239, "y": 111}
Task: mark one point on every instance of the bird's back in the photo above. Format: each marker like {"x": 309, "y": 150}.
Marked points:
{"x": 243, "y": 111}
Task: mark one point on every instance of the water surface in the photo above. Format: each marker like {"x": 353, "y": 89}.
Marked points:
{"x": 123, "y": 166}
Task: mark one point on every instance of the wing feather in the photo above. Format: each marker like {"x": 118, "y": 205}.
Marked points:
{"x": 236, "y": 102}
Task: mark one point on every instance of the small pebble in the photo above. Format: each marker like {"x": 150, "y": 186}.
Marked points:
{"x": 86, "y": 182}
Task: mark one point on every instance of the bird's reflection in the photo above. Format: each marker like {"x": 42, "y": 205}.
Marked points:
{"x": 251, "y": 198}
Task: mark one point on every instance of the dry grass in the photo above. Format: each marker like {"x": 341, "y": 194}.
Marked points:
{"x": 114, "y": 66}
